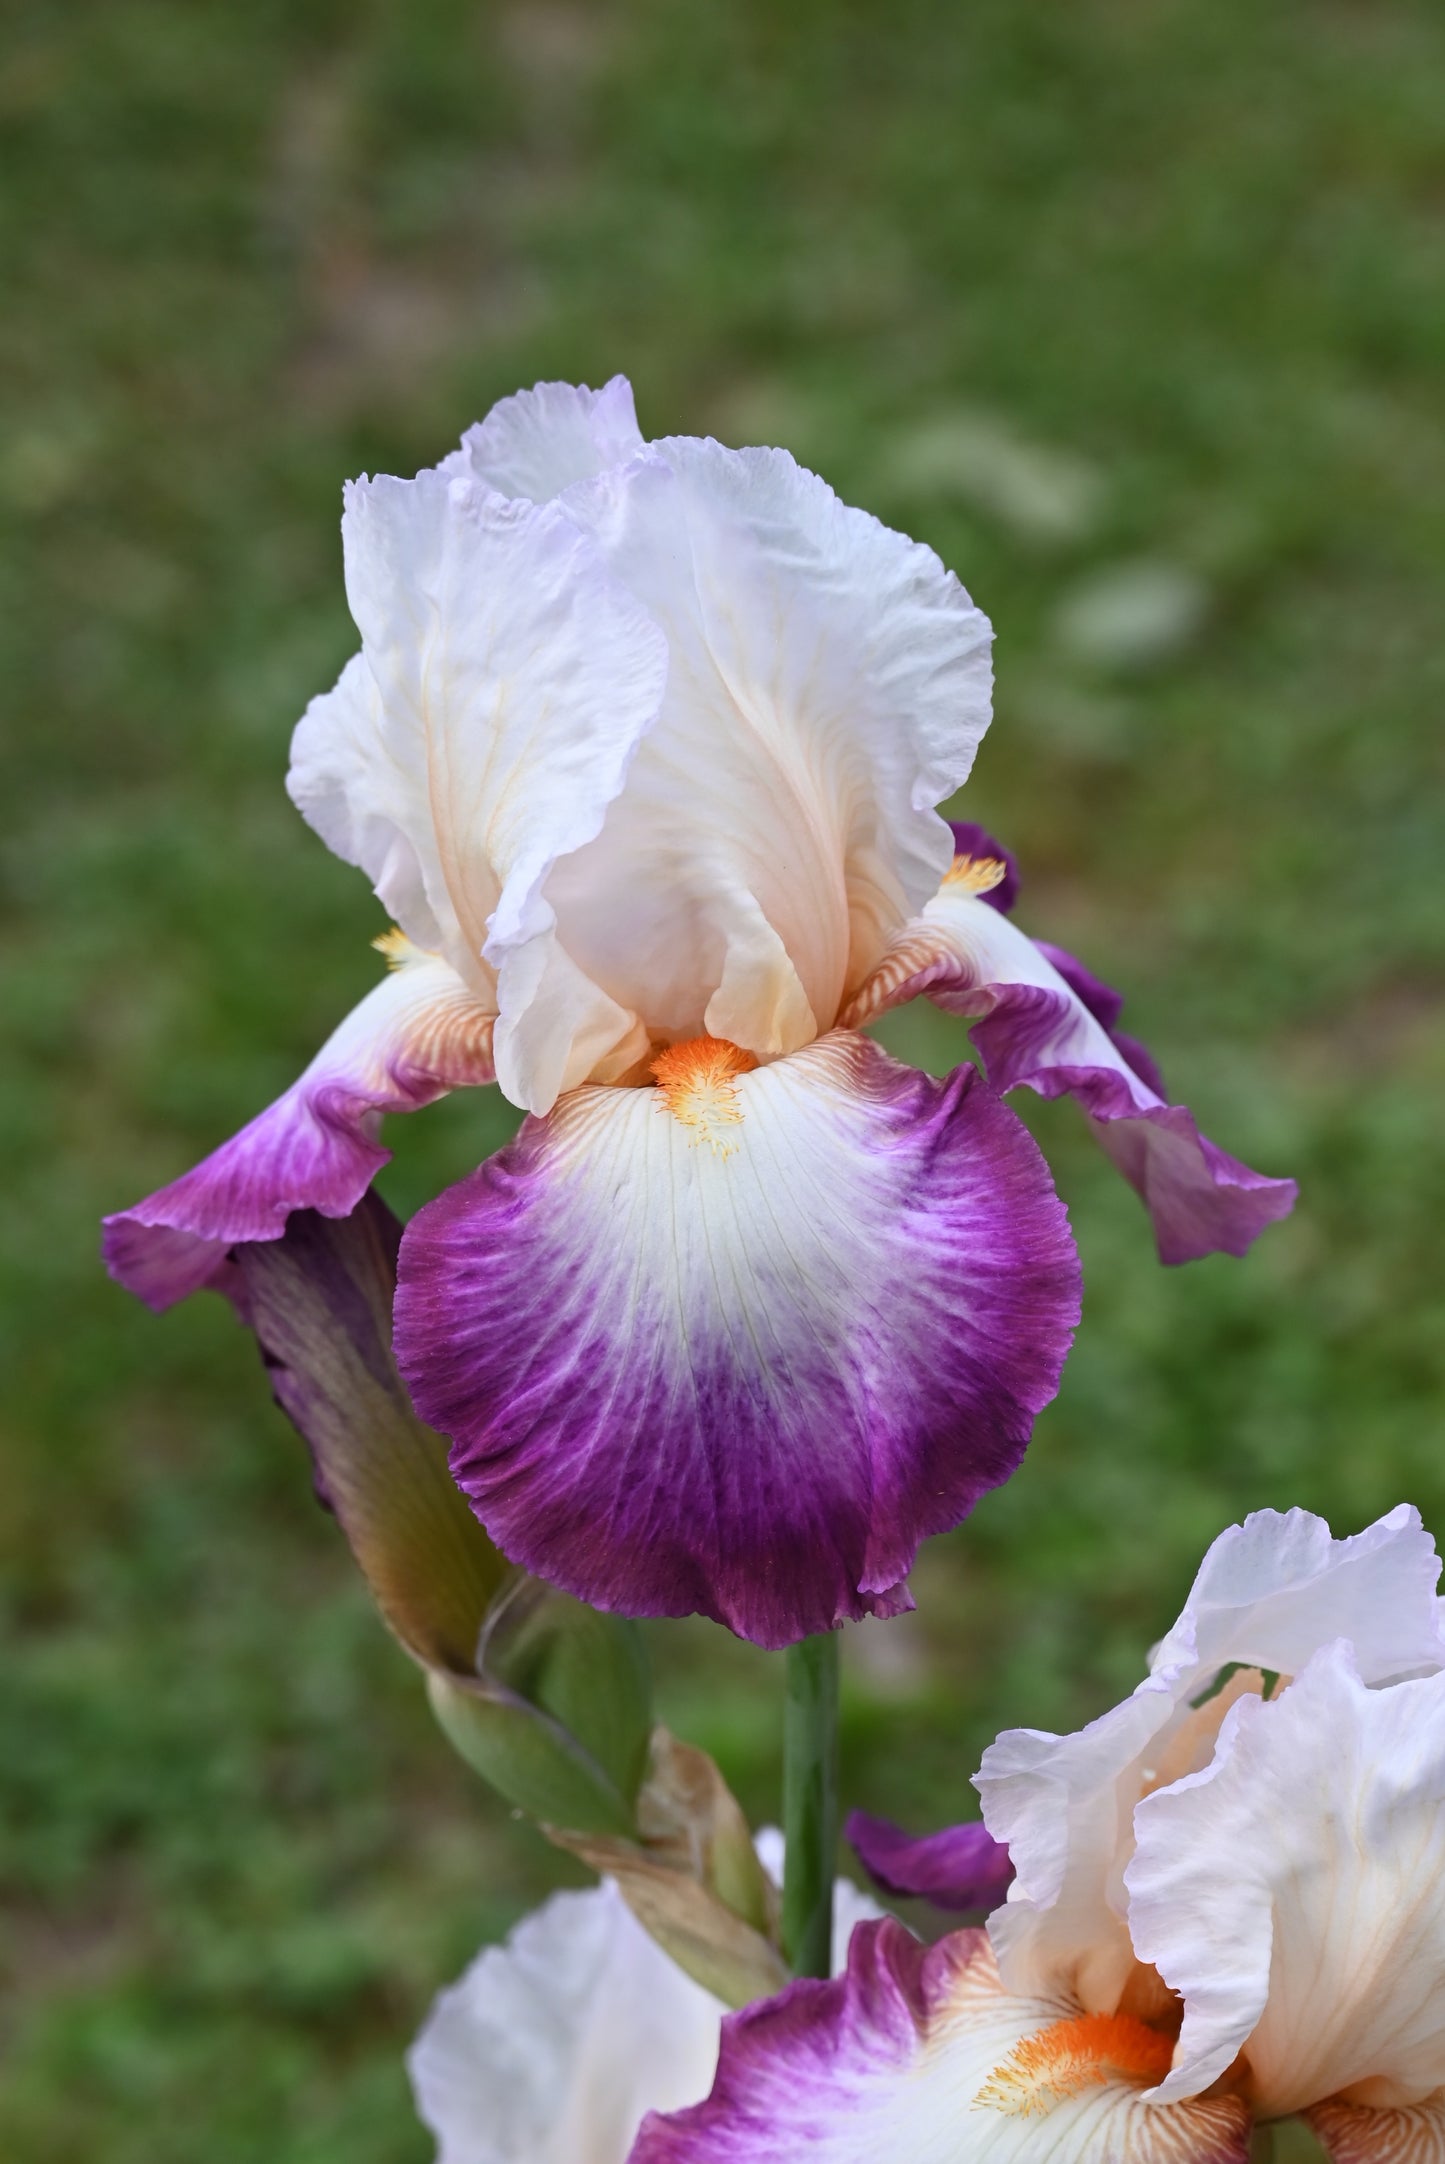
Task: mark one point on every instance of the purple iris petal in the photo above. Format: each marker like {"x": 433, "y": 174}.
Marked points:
{"x": 803, "y": 2075}
{"x": 901, "y": 2058}
{"x": 1044, "y": 1022}
{"x": 1105, "y": 1005}
{"x": 304, "y": 1152}
{"x": 744, "y": 1384}
{"x": 418, "y": 1034}
{"x": 961, "y": 1867}
{"x": 1202, "y": 1200}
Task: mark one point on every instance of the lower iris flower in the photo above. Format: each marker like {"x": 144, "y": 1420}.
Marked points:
{"x": 642, "y": 751}
{"x": 552, "y": 2048}
{"x": 1227, "y": 1908}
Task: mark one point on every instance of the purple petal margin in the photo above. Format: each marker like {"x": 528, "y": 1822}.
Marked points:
{"x": 1202, "y": 1200}
{"x": 794, "y": 2070}
{"x": 307, "y": 1151}
{"x": 1062, "y": 1039}
{"x": 417, "y": 1035}
{"x": 960, "y": 1868}
{"x": 746, "y": 1389}
{"x": 1105, "y": 1005}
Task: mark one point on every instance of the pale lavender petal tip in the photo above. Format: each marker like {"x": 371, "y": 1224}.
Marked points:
{"x": 959, "y": 1868}
{"x": 1202, "y": 1200}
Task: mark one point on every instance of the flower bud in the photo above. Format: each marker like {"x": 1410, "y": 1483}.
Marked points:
{"x": 545, "y": 1698}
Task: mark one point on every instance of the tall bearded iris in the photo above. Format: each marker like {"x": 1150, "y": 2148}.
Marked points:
{"x": 642, "y": 751}
{"x": 1228, "y": 1909}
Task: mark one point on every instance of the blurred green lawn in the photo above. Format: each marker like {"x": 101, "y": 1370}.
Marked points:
{"x": 1137, "y": 312}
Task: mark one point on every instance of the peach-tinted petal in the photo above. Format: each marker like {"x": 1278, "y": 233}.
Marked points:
{"x": 828, "y": 684}
{"x": 1293, "y": 1893}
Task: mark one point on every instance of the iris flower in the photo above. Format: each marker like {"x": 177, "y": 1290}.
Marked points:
{"x": 552, "y": 2048}
{"x": 1227, "y": 1910}
{"x": 642, "y": 751}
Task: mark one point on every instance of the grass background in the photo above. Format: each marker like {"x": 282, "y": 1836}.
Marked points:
{"x": 1137, "y": 312}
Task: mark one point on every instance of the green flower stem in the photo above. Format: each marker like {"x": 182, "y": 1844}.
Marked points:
{"x": 1261, "y": 2149}
{"x": 810, "y": 1803}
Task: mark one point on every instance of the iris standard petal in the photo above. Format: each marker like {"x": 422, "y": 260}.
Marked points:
{"x": 829, "y": 682}
{"x": 502, "y": 688}
{"x": 1293, "y": 1892}
{"x": 918, "y": 2054}
{"x": 1275, "y": 1589}
{"x": 1042, "y": 1022}
{"x": 420, "y": 1033}
{"x": 1267, "y": 1596}
{"x": 539, "y": 442}
{"x": 738, "y": 1343}
{"x": 962, "y": 1867}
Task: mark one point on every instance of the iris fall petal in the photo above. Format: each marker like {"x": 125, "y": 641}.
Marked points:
{"x": 420, "y": 1033}
{"x": 1043, "y": 1022}
{"x": 741, "y": 1353}
{"x": 920, "y": 2054}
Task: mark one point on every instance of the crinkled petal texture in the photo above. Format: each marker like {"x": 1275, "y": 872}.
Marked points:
{"x": 739, "y": 1350}
{"x": 1293, "y": 1892}
{"x": 1043, "y": 1022}
{"x": 641, "y": 741}
{"x": 421, "y": 1032}
{"x": 919, "y": 2054}
{"x": 539, "y": 442}
{"x": 963, "y": 1867}
{"x": 504, "y": 682}
{"x": 550, "y": 2049}
{"x": 1268, "y": 1596}
{"x": 828, "y": 684}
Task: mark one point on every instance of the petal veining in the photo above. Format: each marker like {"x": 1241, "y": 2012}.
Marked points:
{"x": 420, "y": 1033}
{"x": 1043, "y": 1023}
{"x": 828, "y": 684}
{"x": 1356, "y": 2134}
{"x": 919, "y": 2053}
{"x": 503, "y": 685}
{"x": 748, "y": 1380}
